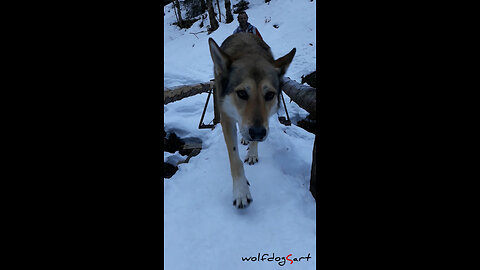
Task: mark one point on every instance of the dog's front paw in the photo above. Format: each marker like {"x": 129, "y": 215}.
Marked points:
{"x": 242, "y": 201}
{"x": 243, "y": 141}
{"x": 241, "y": 193}
{"x": 251, "y": 159}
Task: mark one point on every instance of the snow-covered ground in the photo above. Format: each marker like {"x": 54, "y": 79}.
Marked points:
{"x": 202, "y": 229}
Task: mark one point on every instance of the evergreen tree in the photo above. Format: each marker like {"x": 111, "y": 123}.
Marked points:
{"x": 242, "y": 5}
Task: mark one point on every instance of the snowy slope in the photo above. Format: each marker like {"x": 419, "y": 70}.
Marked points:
{"x": 296, "y": 20}
{"x": 202, "y": 228}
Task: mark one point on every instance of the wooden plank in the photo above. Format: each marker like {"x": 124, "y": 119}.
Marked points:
{"x": 180, "y": 92}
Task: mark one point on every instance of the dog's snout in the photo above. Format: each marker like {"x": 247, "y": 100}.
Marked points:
{"x": 257, "y": 133}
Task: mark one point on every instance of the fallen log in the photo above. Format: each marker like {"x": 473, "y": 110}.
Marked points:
{"x": 180, "y": 92}
{"x": 304, "y": 95}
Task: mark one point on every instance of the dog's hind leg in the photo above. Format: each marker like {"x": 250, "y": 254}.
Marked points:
{"x": 252, "y": 155}
{"x": 241, "y": 191}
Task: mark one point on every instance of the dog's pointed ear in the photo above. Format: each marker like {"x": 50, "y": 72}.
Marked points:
{"x": 283, "y": 62}
{"x": 221, "y": 61}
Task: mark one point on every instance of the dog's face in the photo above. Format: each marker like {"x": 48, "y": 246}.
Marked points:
{"x": 251, "y": 96}
{"x": 250, "y": 91}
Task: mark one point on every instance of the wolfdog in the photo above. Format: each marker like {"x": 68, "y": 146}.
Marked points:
{"x": 247, "y": 87}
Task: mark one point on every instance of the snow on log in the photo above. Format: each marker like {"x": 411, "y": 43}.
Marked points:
{"x": 177, "y": 93}
{"x": 304, "y": 95}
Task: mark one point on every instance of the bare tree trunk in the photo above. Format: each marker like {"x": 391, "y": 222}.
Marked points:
{"x": 180, "y": 21}
{"x": 228, "y": 8}
{"x": 175, "y": 11}
{"x": 305, "y": 96}
{"x": 203, "y": 5}
{"x": 211, "y": 15}
{"x": 219, "y": 13}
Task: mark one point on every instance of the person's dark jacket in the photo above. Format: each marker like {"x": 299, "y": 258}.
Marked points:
{"x": 250, "y": 29}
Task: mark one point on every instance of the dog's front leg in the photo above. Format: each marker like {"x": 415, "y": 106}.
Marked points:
{"x": 241, "y": 191}
{"x": 252, "y": 155}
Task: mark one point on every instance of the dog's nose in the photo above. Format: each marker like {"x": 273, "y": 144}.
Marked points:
{"x": 257, "y": 133}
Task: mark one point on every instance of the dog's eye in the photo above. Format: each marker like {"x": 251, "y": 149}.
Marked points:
{"x": 242, "y": 94}
{"x": 269, "y": 95}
